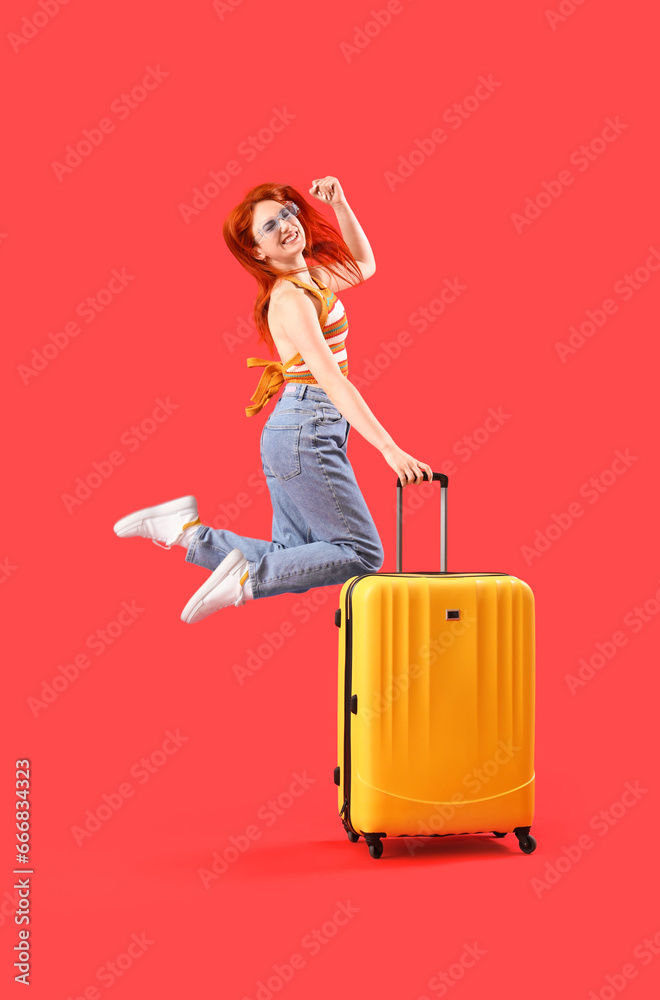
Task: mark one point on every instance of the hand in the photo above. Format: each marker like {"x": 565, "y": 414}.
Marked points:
{"x": 408, "y": 469}
{"x": 328, "y": 190}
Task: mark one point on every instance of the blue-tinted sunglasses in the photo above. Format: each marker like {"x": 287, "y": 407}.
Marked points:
{"x": 289, "y": 211}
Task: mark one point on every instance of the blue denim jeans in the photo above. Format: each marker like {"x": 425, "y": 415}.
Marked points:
{"x": 322, "y": 531}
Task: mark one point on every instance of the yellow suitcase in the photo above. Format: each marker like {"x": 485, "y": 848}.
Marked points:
{"x": 436, "y": 702}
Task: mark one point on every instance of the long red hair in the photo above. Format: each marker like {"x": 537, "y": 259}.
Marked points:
{"x": 324, "y": 244}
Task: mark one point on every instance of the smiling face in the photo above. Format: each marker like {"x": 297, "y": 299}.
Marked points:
{"x": 284, "y": 244}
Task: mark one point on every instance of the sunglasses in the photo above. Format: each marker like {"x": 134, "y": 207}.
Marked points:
{"x": 289, "y": 211}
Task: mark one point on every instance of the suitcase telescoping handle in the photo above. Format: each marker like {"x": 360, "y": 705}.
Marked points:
{"x": 444, "y": 483}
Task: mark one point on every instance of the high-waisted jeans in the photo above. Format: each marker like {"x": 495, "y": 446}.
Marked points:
{"x": 323, "y": 532}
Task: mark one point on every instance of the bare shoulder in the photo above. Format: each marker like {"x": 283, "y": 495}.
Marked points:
{"x": 346, "y": 278}
{"x": 287, "y": 305}
{"x": 282, "y": 288}
{"x": 283, "y": 295}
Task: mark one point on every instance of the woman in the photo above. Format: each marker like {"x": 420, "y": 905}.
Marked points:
{"x": 323, "y": 532}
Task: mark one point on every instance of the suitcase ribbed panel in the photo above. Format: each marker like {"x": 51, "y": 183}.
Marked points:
{"x": 505, "y": 689}
{"x": 445, "y": 708}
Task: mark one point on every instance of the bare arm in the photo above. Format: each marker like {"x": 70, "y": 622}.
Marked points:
{"x": 352, "y": 406}
{"x": 298, "y": 317}
{"x": 355, "y": 237}
{"x": 329, "y": 190}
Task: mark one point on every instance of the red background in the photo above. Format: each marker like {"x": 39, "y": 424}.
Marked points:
{"x": 66, "y": 574}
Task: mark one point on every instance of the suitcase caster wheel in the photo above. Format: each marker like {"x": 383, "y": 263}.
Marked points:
{"x": 353, "y": 837}
{"x": 527, "y": 844}
{"x": 496, "y": 834}
{"x": 375, "y": 850}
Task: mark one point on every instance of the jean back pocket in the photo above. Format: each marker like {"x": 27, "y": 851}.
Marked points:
{"x": 280, "y": 445}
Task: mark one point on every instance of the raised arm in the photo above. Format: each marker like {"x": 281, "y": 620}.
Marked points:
{"x": 298, "y": 316}
{"x": 329, "y": 191}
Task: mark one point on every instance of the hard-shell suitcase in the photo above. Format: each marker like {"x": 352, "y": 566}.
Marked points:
{"x": 436, "y": 702}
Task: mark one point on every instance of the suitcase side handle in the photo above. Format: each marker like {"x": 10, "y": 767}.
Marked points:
{"x": 444, "y": 483}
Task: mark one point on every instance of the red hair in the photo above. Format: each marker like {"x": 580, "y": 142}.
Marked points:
{"x": 323, "y": 244}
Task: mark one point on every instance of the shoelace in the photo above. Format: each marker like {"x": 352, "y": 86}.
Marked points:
{"x": 175, "y": 538}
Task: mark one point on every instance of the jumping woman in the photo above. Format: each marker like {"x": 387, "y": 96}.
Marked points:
{"x": 323, "y": 532}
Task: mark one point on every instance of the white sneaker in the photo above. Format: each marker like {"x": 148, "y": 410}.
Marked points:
{"x": 220, "y": 590}
{"x": 163, "y": 524}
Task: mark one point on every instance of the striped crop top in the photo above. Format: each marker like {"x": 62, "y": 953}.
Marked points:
{"x": 334, "y": 326}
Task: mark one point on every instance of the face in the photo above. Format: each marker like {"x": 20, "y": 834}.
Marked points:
{"x": 273, "y": 247}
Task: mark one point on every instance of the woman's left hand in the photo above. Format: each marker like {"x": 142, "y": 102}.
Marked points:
{"x": 328, "y": 190}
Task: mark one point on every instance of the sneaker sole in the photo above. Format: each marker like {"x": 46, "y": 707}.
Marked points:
{"x": 229, "y": 563}
{"x": 184, "y": 505}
